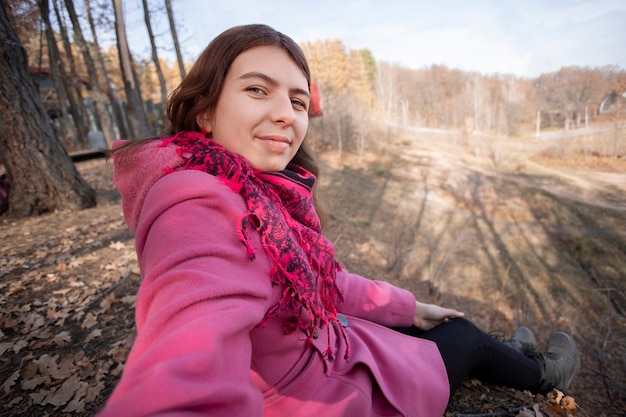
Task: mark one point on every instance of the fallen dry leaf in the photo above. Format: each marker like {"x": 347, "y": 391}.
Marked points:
{"x": 94, "y": 334}
{"x": 569, "y": 403}
{"x": 34, "y": 382}
{"x": 6, "y": 386}
{"x": 4, "y": 346}
{"x": 62, "y": 338}
{"x": 90, "y": 320}
{"x": 117, "y": 245}
{"x": 77, "y": 405}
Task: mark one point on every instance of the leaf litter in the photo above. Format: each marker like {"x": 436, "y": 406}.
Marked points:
{"x": 67, "y": 291}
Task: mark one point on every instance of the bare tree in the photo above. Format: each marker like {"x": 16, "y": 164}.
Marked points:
{"x": 179, "y": 55}
{"x": 138, "y": 120}
{"x": 74, "y": 94}
{"x": 386, "y": 92}
{"x": 59, "y": 86}
{"x": 103, "y": 115}
{"x": 568, "y": 92}
{"x": 113, "y": 97}
{"x": 155, "y": 55}
{"x": 42, "y": 176}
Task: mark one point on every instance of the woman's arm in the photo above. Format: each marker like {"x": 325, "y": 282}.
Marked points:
{"x": 377, "y": 301}
{"x": 196, "y": 305}
{"x": 387, "y": 304}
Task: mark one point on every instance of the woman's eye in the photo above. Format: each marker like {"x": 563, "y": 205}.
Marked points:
{"x": 255, "y": 90}
{"x": 298, "y": 103}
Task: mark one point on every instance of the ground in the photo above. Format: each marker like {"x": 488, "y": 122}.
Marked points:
{"x": 527, "y": 240}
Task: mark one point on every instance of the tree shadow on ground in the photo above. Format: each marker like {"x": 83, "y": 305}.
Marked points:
{"x": 518, "y": 253}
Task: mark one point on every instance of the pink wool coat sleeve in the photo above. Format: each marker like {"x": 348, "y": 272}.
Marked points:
{"x": 199, "y": 350}
{"x": 377, "y": 301}
{"x": 194, "y": 312}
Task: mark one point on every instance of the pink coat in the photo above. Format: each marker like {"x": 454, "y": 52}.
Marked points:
{"x": 198, "y": 351}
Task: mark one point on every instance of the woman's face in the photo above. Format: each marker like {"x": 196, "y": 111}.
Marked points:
{"x": 262, "y": 112}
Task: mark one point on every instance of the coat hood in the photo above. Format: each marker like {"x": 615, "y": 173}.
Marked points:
{"x": 135, "y": 172}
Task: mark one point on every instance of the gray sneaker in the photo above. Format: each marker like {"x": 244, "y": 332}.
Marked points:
{"x": 559, "y": 363}
{"x": 523, "y": 341}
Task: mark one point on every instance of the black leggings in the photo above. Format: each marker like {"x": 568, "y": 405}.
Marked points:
{"x": 468, "y": 351}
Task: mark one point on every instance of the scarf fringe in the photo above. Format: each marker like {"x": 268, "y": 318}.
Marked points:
{"x": 243, "y": 235}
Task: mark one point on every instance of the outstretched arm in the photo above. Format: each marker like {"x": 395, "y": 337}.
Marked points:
{"x": 386, "y": 304}
{"x": 376, "y": 301}
{"x": 197, "y": 303}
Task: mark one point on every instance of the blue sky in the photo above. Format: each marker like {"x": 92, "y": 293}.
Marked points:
{"x": 524, "y": 37}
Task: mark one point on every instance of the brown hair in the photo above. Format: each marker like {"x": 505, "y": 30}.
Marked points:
{"x": 199, "y": 92}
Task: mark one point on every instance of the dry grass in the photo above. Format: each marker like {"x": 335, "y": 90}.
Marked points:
{"x": 603, "y": 151}
{"x": 582, "y": 159}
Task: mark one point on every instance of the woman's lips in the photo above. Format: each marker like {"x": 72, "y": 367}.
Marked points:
{"x": 276, "y": 142}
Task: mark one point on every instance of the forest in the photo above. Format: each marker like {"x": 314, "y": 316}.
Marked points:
{"x": 499, "y": 194}
{"x": 500, "y": 105}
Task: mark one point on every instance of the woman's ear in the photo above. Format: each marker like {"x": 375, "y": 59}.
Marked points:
{"x": 204, "y": 122}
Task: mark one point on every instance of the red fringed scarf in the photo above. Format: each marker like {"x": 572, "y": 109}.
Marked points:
{"x": 280, "y": 206}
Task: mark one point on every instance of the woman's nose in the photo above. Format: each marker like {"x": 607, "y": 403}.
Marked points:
{"x": 283, "y": 111}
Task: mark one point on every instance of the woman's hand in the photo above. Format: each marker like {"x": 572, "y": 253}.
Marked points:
{"x": 428, "y": 316}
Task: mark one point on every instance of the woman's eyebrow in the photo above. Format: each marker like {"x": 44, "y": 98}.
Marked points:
{"x": 272, "y": 81}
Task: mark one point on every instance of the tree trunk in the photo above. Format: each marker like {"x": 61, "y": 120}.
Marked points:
{"x": 59, "y": 86}
{"x": 179, "y": 56}
{"x": 155, "y": 55}
{"x": 136, "y": 110}
{"x": 42, "y": 176}
{"x": 74, "y": 95}
{"x": 113, "y": 98}
{"x": 103, "y": 115}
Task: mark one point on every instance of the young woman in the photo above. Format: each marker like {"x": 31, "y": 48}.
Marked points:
{"x": 243, "y": 309}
